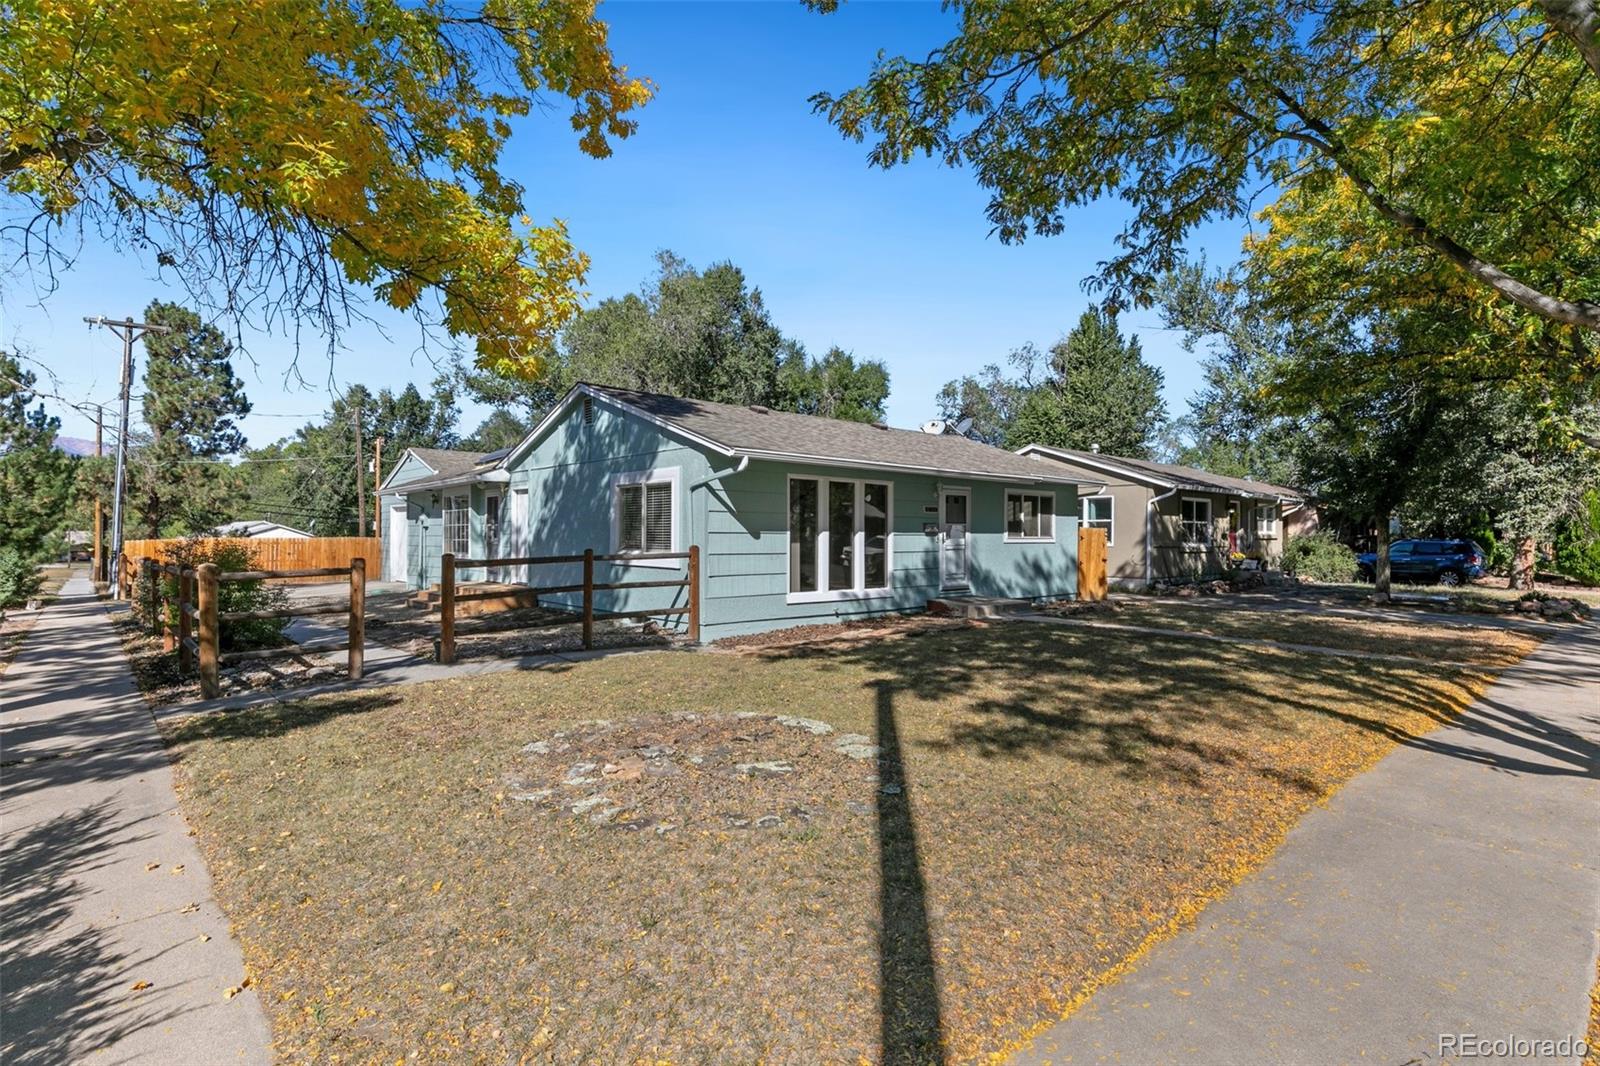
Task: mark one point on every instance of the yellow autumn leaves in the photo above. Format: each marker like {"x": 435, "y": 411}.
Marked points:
{"x": 367, "y": 132}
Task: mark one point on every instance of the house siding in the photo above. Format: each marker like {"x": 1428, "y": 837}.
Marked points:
{"x": 740, "y": 522}
{"x": 747, "y": 550}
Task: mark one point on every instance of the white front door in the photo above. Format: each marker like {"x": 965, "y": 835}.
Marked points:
{"x": 954, "y": 505}
{"x": 399, "y": 541}
{"x": 519, "y": 536}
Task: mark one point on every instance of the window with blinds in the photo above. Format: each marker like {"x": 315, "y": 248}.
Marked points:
{"x": 644, "y": 516}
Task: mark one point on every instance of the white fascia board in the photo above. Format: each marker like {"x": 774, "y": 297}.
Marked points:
{"x": 939, "y": 471}
{"x": 557, "y": 412}
{"x": 1106, "y": 467}
{"x": 411, "y": 452}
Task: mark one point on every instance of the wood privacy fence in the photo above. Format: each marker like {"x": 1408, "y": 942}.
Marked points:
{"x": 1091, "y": 563}
{"x": 268, "y": 553}
{"x": 449, "y": 597}
{"x": 198, "y": 639}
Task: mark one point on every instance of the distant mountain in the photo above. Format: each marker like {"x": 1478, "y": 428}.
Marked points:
{"x": 75, "y": 445}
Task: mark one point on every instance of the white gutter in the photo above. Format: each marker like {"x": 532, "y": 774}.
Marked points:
{"x": 868, "y": 464}
{"x": 1150, "y": 535}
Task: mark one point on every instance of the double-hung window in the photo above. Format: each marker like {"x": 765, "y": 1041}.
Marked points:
{"x": 1267, "y": 520}
{"x": 1196, "y": 520}
{"x": 839, "y": 537}
{"x": 1031, "y": 516}
{"x": 644, "y": 512}
{"x": 457, "y": 511}
{"x": 1098, "y": 514}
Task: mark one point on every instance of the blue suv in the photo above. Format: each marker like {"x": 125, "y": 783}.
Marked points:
{"x": 1430, "y": 562}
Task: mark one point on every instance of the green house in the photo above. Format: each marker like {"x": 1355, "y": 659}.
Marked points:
{"x": 798, "y": 519}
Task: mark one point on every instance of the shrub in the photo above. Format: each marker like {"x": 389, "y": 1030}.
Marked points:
{"x": 19, "y": 578}
{"x": 1577, "y": 553}
{"x": 1319, "y": 557}
{"x": 229, "y": 555}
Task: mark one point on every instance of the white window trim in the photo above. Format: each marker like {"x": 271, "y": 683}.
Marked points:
{"x": 1111, "y": 527}
{"x": 1005, "y": 517}
{"x": 1267, "y": 530}
{"x": 444, "y": 522}
{"x": 858, "y": 543}
{"x": 1211, "y": 522}
{"x": 674, "y": 476}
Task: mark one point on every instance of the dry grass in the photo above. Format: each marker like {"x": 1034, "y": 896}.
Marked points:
{"x": 1047, "y": 800}
{"x": 1463, "y": 643}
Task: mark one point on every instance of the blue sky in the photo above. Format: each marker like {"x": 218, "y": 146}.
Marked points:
{"x": 729, "y": 163}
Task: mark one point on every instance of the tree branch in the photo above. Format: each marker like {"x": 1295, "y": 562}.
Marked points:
{"x": 1579, "y": 20}
{"x": 1584, "y": 314}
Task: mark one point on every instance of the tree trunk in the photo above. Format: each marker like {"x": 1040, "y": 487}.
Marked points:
{"x": 1380, "y": 569}
{"x": 1522, "y": 561}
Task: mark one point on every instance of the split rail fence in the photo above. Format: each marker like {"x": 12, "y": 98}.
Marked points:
{"x": 198, "y": 638}
{"x": 449, "y": 595}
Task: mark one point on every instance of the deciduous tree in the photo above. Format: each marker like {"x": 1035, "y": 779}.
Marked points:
{"x": 1441, "y": 139}
{"x": 278, "y": 155}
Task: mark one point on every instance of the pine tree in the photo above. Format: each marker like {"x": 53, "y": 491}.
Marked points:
{"x": 192, "y": 400}
{"x": 1099, "y": 393}
{"x": 36, "y": 479}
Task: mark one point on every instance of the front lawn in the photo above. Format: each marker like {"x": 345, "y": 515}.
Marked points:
{"x": 475, "y": 870}
{"x": 1462, "y": 643}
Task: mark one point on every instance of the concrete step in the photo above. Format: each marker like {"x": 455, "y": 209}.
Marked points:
{"x": 978, "y": 606}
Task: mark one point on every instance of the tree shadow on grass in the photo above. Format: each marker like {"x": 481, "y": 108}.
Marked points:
{"x": 273, "y": 720}
{"x": 911, "y": 1022}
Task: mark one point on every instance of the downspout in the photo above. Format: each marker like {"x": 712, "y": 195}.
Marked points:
{"x": 1150, "y": 535}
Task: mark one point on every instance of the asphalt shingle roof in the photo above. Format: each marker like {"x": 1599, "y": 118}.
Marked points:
{"x": 452, "y": 464}
{"x": 783, "y": 434}
{"x": 1188, "y": 476}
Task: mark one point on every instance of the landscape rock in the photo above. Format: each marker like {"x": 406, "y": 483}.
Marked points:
{"x": 537, "y": 747}
{"x": 768, "y": 821}
{"x": 770, "y": 768}
{"x": 630, "y": 769}
{"x": 538, "y": 795}
{"x": 810, "y": 725}
{"x": 855, "y": 746}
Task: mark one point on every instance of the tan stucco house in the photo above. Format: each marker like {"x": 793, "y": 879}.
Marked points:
{"x": 1165, "y": 521}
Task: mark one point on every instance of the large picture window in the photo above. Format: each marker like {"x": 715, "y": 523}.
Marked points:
{"x": 1030, "y": 516}
{"x": 839, "y": 537}
{"x": 1098, "y": 513}
{"x": 644, "y": 513}
{"x": 1196, "y": 518}
{"x": 457, "y": 512}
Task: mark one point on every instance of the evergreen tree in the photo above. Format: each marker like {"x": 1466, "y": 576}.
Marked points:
{"x": 36, "y": 479}
{"x": 1098, "y": 393}
{"x": 501, "y": 429}
{"x": 192, "y": 399}
{"x": 835, "y": 386}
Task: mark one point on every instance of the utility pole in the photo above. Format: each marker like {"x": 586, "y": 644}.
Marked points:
{"x": 361, "y": 481}
{"x": 99, "y": 506}
{"x": 377, "y": 485}
{"x": 129, "y": 331}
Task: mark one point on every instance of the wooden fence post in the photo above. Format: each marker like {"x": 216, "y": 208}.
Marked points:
{"x": 169, "y": 639}
{"x": 588, "y": 598}
{"x": 152, "y": 593}
{"x": 185, "y": 623}
{"x": 358, "y": 617}
{"x": 210, "y": 688}
{"x": 694, "y": 593}
{"x": 447, "y": 608}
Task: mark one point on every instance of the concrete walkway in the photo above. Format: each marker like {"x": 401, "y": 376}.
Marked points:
{"x": 86, "y": 808}
{"x": 1452, "y": 889}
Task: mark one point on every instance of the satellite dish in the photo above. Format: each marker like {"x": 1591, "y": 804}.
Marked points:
{"x": 963, "y": 426}
{"x": 935, "y": 426}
